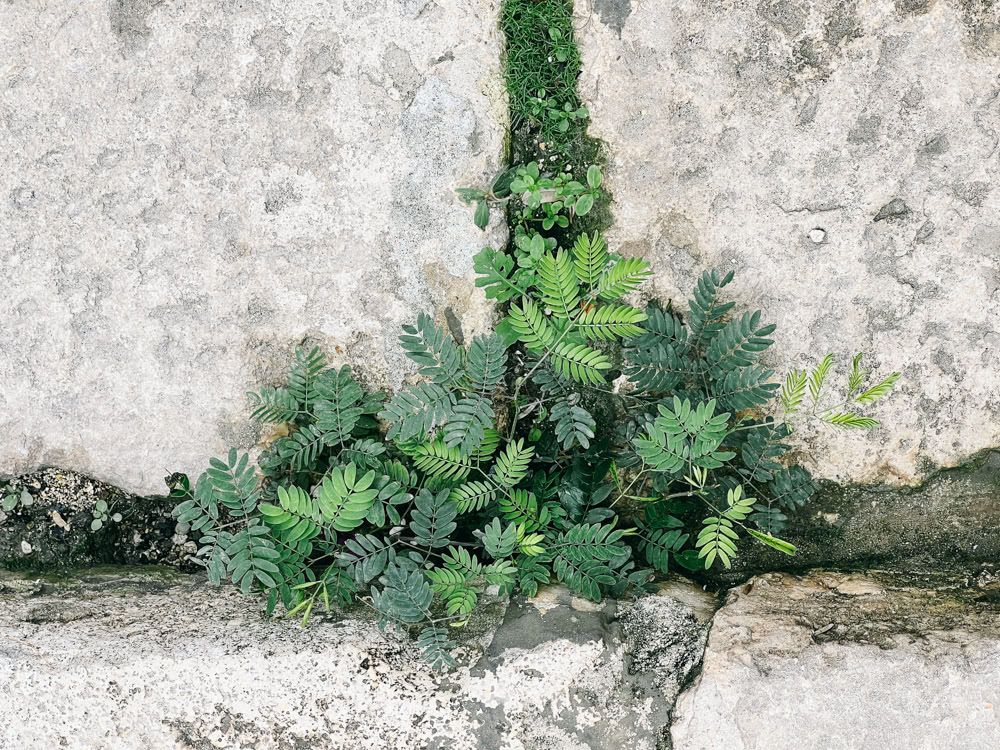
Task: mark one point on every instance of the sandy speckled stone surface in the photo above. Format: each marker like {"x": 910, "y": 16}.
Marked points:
{"x": 842, "y": 158}
{"x": 189, "y": 190}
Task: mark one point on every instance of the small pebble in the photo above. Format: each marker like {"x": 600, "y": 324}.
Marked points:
{"x": 817, "y": 235}
{"x": 25, "y": 547}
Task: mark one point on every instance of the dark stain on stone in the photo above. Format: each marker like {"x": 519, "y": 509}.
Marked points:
{"x": 894, "y": 209}
{"x": 786, "y": 15}
{"x": 925, "y": 231}
{"x": 22, "y": 197}
{"x": 913, "y": 7}
{"x": 614, "y": 13}
{"x": 454, "y": 325}
{"x": 972, "y": 193}
{"x": 808, "y": 112}
{"x": 842, "y": 25}
{"x": 278, "y": 197}
{"x": 865, "y": 130}
{"x": 130, "y": 21}
{"x": 936, "y": 146}
{"x": 982, "y": 24}
{"x": 807, "y": 54}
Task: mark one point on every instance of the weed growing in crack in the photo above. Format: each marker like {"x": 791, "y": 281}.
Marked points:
{"x": 585, "y": 440}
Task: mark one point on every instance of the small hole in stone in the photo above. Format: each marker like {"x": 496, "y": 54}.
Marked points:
{"x": 817, "y": 235}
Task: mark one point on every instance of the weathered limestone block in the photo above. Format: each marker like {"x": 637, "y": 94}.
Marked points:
{"x": 848, "y": 661}
{"x": 189, "y": 190}
{"x": 841, "y": 157}
{"x": 139, "y": 661}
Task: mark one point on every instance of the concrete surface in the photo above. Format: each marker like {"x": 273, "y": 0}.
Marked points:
{"x": 188, "y": 190}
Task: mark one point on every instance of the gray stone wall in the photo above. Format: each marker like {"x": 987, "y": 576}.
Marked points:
{"x": 189, "y": 190}
{"x": 842, "y": 158}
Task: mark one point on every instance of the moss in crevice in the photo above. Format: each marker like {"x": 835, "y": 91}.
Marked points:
{"x": 541, "y": 54}
{"x": 950, "y": 522}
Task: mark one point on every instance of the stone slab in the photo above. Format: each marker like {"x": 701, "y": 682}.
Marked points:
{"x": 112, "y": 659}
{"x": 842, "y": 159}
{"x": 843, "y": 661}
{"x": 189, "y": 190}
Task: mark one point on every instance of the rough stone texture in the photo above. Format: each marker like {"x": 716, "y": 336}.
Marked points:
{"x": 836, "y": 662}
{"x": 115, "y": 660}
{"x": 189, "y": 190}
{"x": 951, "y": 522}
{"x": 841, "y": 157}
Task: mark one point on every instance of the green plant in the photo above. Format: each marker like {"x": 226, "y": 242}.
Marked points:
{"x": 542, "y": 62}
{"x": 515, "y": 466}
{"x": 585, "y": 440}
{"x": 14, "y": 497}
{"x": 548, "y": 113}
{"x": 103, "y": 515}
{"x": 536, "y": 200}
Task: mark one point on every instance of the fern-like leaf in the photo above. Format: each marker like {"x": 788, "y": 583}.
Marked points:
{"x": 439, "y": 460}
{"x": 658, "y": 545}
{"x": 415, "y": 411}
{"x": 460, "y": 598}
{"x": 574, "y": 425}
{"x": 486, "y": 364}
{"x": 745, "y": 388}
{"x": 876, "y": 392}
{"x": 818, "y": 377}
{"x": 296, "y": 516}
{"x": 758, "y": 452}
{"x": 738, "y": 343}
{"x": 610, "y": 322}
{"x": 623, "y": 277}
{"x": 438, "y": 355}
{"x": 593, "y": 541}
{"x": 473, "y": 496}
{"x": 793, "y": 392}
{"x": 791, "y": 488}
{"x": 655, "y": 369}
{"x": 340, "y": 405}
{"x": 590, "y": 256}
{"x": 201, "y": 510}
{"x": 560, "y": 290}
{"x": 850, "y": 420}
{"x": 344, "y": 498}
{"x": 304, "y": 375}
{"x": 366, "y": 453}
{"x": 717, "y": 539}
{"x": 531, "y": 326}
{"x": 273, "y": 405}
{"x": 520, "y": 507}
{"x": 856, "y": 377}
{"x": 512, "y": 465}
{"x": 234, "y": 483}
{"x": 579, "y": 362}
{"x": 366, "y": 557}
{"x": 704, "y": 309}
{"x": 433, "y": 519}
{"x": 405, "y": 596}
{"x": 252, "y": 558}
{"x": 435, "y": 646}
{"x": 499, "y": 541}
{"x": 661, "y": 327}
{"x": 584, "y": 577}
{"x": 467, "y": 425}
